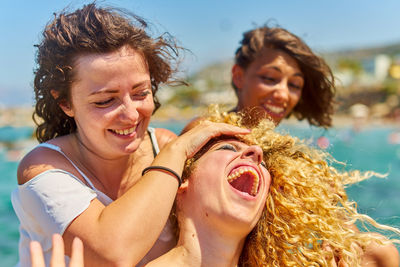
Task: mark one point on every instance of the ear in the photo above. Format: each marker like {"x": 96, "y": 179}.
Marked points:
{"x": 182, "y": 189}
{"x": 237, "y": 76}
{"x": 63, "y": 104}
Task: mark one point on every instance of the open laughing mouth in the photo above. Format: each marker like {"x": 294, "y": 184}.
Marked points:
{"x": 275, "y": 110}
{"x": 245, "y": 179}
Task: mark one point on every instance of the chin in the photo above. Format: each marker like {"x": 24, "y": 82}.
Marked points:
{"x": 244, "y": 220}
{"x": 241, "y": 226}
{"x": 132, "y": 147}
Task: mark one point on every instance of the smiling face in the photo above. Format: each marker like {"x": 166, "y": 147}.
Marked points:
{"x": 227, "y": 187}
{"x": 272, "y": 82}
{"x": 111, "y": 101}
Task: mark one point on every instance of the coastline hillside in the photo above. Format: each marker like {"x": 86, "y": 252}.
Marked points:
{"x": 367, "y": 78}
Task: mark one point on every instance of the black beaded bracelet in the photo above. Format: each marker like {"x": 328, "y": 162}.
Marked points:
{"x": 165, "y": 169}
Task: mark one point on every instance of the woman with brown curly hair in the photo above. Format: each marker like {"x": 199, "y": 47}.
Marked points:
{"x": 96, "y": 174}
{"x": 279, "y": 75}
{"x": 277, "y": 72}
{"x": 266, "y": 199}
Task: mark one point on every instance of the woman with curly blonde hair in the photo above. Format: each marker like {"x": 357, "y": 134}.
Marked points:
{"x": 266, "y": 199}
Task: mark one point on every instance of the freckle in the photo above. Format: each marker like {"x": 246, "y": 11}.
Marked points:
{"x": 206, "y": 214}
{"x": 192, "y": 235}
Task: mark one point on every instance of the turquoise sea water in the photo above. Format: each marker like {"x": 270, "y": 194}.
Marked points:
{"x": 376, "y": 149}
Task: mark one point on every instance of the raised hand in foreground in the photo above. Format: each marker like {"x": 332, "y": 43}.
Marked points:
{"x": 57, "y": 258}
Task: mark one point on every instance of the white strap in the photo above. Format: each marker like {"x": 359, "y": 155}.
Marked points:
{"x": 154, "y": 142}
{"x": 57, "y": 148}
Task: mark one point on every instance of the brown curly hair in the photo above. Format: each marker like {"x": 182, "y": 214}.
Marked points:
{"x": 317, "y": 100}
{"x": 91, "y": 29}
{"x": 307, "y": 207}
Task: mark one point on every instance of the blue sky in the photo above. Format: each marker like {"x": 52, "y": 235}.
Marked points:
{"x": 211, "y": 29}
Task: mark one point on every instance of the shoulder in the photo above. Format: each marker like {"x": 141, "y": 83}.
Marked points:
{"x": 164, "y": 136}
{"x": 39, "y": 160}
{"x": 382, "y": 255}
{"x": 192, "y": 124}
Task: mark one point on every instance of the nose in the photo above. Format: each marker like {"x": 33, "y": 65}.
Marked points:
{"x": 253, "y": 153}
{"x": 281, "y": 92}
{"x": 128, "y": 110}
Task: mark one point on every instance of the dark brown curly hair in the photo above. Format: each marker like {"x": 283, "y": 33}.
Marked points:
{"x": 317, "y": 100}
{"x": 91, "y": 29}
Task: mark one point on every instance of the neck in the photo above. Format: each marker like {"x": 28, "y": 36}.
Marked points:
{"x": 112, "y": 176}
{"x": 199, "y": 246}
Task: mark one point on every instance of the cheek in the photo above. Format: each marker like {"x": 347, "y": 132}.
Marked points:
{"x": 252, "y": 93}
{"x": 147, "y": 107}
{"x": 268, "y": 183}
{"x": 209, "y": 172}
{"x": 295, "y": 98}
{"x": 91, "y": 116}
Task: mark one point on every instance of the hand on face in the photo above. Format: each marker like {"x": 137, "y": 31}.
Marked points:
{"x": 194, "y": 139}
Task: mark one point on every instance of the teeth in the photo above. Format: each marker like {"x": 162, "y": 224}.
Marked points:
{"x": 125, "y": 131}
{"x": 275, "y": 109}
{"x": 251, "y": 171}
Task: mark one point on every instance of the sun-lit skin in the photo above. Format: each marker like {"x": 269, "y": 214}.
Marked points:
{"x": 273, "y": 82}
{"x": 210, "y": 196}
{"x": 111, "y": 101}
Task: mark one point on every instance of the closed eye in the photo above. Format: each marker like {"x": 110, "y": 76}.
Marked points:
{"x": 104, "y": 103}
{"x": 227, "y": 147}
{"x": 295, "y": 86}
{"x": 143, "y": 93}
{"x": 268, "y": 78}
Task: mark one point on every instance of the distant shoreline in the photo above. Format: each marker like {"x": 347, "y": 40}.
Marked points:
{"x": 22, "y": 117}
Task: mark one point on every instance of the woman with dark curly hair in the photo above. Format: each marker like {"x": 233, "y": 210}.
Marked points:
{"x": 98, "y": 173}
{"x": 276, "y": 71}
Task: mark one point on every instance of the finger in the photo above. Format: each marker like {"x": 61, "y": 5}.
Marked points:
{"x": 57, "y": 255}
{"x": 37, "y": 258}
{"x": 342, "y": 263}
{"x": 77, "y": 253}
{"x": 224, "y": 128}
{"x": 200, "y": 135}
{"x": 213, "y": 129}
{"x": 327, "y": 247}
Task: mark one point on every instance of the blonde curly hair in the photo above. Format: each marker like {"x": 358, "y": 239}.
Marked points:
{"x": 308, "y": 217}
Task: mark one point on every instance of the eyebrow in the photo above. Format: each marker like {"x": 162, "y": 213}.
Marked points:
{"x": 111, "y": 91}
{"x": 298, "y": 74}
{"x": 214, "y": 141}
{"x": 223, "y": 138}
